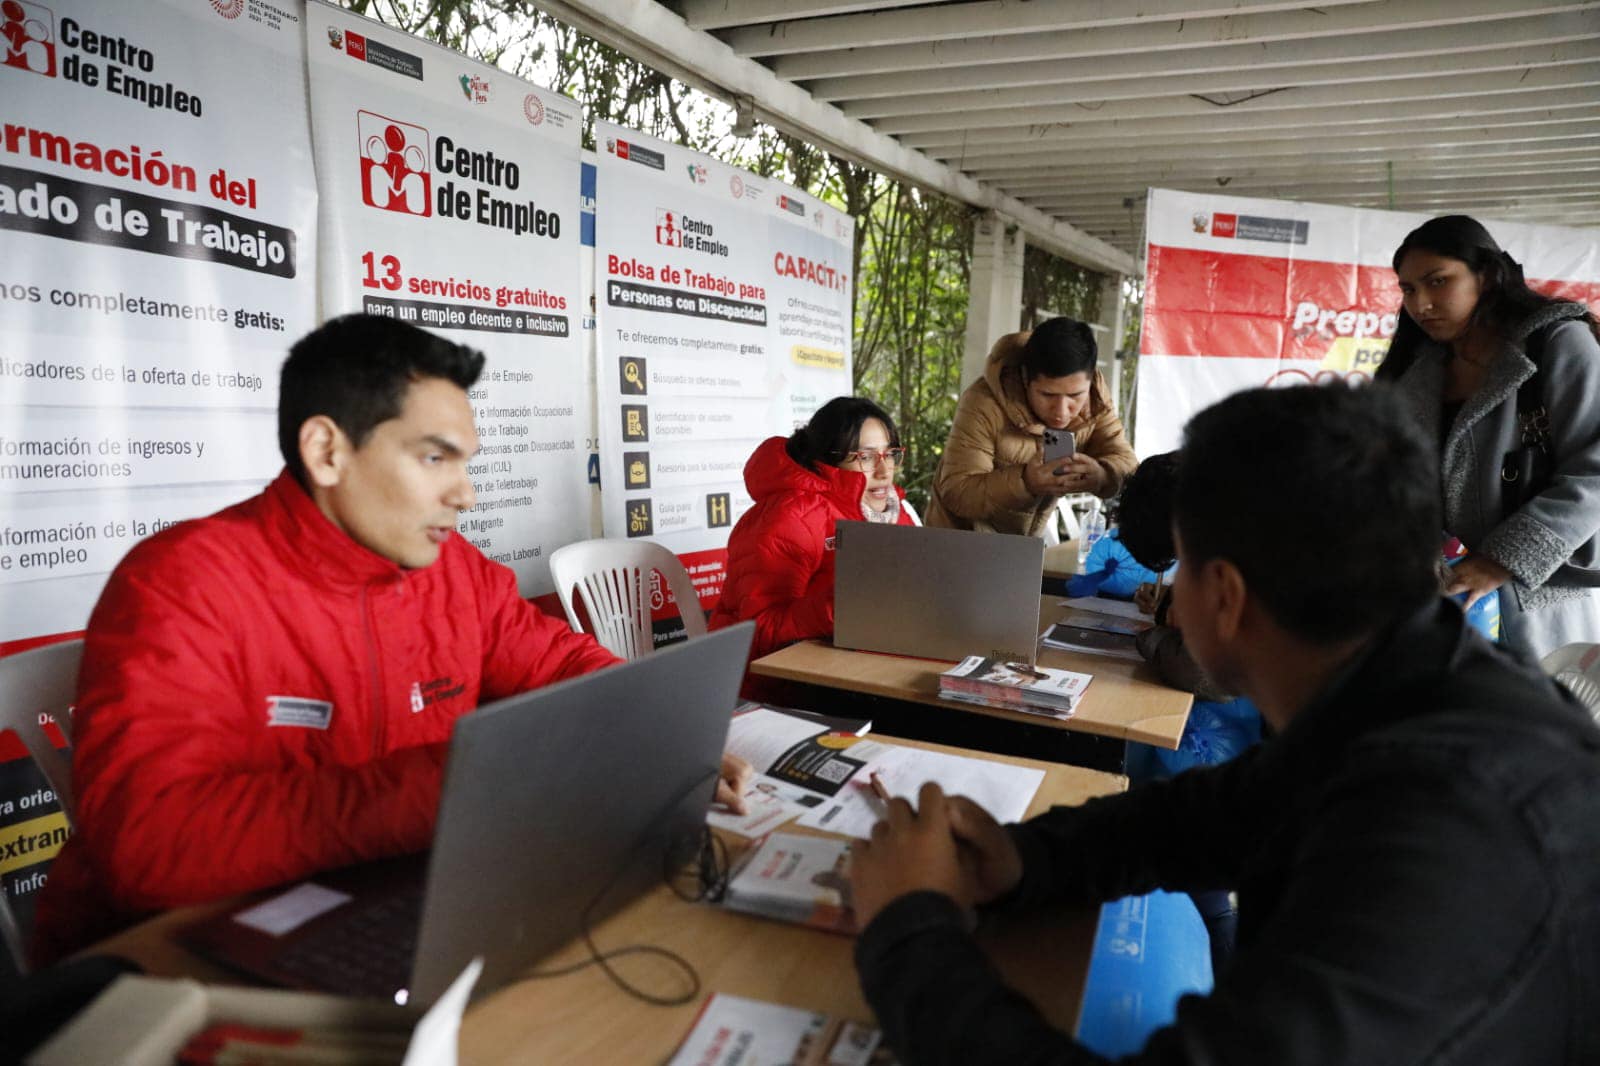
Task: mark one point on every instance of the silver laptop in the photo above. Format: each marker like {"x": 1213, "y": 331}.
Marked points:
{"x": 936, "y": 593}
{"x": 559, "y": 806}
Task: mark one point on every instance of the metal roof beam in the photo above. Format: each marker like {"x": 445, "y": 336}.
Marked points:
{"x": 1585, "y": 135}
{"x": 715, "y": 14}
{"x": 1573, "y": 179}
{"x": 960, "y": 110}
{"x": 1436, "y": 114}
{"x": 1503, "y": 89}
{"x": 1313, "y": 181}
{"x": 844, "y": 57}
{"x": 1247, "y": 60}
{"x": 952, "y": 22}
{"x": 1534, "y": 125}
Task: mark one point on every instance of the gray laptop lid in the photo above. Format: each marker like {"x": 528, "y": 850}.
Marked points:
{"x": 568, "y": 799}
{"x": 936, "y": 593}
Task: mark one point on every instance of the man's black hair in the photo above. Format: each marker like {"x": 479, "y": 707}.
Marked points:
{"x": 356, "y": 369}
{"x": 835, "y": 431}
{"x": 1058, "y": 347}
{"x": 1143, "y": 512}
{"x": 1325, "y": 498}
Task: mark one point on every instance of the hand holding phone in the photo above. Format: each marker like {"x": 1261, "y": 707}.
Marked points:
{"x": 1059, "y": 444}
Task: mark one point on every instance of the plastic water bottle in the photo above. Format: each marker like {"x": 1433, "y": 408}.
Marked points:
{"x": 1094, "y": 527}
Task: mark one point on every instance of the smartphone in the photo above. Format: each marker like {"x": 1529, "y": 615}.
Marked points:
{"x": 1058, "y": 444}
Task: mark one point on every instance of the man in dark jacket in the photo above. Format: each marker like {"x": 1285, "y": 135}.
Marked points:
{"x": 1416, "y": 854}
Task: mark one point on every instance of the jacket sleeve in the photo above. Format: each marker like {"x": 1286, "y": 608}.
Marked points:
{"x": 778, "y": 563}
{"x": 1540, "y": 536}
{"x": 1108, "y": 444}
{"x": 525, "y": 648}
{"x": 968, "y": 482}
{"x": 1378, "y": 950}
{"x": 169, "y": 811}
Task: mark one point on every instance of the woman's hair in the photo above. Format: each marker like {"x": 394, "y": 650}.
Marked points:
{"x": 1056, "y": 348}
{"x": 1143, "y": 511}
{"x": 835, "y": 431}
{"x": 1504, "y": 298}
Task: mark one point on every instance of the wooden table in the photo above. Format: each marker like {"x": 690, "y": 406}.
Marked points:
{"x": 1125, "y": 701}
{"x": 584, "y": 1018}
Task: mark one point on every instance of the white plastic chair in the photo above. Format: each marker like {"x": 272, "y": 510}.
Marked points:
{"x": 35, "y": 683}
{"x": 1577, "y": 667}
{"x": 613, "y": 579}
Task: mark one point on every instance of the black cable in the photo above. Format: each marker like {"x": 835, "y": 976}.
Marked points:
{"x": 710, "y": 867}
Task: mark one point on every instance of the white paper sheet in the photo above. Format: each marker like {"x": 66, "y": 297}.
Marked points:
{"x": 999, "y": 788}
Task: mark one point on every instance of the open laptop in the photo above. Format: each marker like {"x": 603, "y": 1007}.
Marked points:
{"x": 936, "y": 593}
{"x": 559, "y": 806}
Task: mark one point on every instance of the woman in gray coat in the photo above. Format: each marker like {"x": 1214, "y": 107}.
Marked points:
{"x": 1521, "y": 488}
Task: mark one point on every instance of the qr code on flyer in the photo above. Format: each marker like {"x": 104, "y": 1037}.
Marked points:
{"x": 835, "y": 770}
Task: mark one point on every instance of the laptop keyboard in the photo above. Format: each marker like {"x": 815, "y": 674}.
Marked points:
{"x": 365, "y": 952}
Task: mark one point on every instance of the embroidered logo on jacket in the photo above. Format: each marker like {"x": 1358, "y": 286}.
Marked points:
{"x": 298, "y": 711}
{"x": 425, "y": 694}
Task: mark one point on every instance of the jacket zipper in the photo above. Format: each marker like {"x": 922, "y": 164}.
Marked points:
{"x": 376, "y": 670}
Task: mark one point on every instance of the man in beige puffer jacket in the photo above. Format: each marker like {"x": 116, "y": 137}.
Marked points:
{"x": 993, "y": 474}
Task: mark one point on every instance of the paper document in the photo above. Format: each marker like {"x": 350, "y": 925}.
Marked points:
{"x": 999, "y": 788}
{"x": 1101, "y": 605}
{"x": 734, "y": 1031}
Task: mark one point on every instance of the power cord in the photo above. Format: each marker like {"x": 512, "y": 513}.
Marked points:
{"x": 707, "y": 868}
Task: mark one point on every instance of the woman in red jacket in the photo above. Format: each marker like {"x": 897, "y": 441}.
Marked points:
{"x": 840, "y": 465}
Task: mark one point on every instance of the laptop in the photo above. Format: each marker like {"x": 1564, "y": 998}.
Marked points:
{"x": 559, "y": 806}
{"x": 936, "y": 593}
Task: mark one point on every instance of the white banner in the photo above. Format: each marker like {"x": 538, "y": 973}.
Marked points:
{"x": 159, "y": 216}
{"x": 724, "y": 317}
{"x": 1242, "y": 292}
{"x": 448, "y": 192}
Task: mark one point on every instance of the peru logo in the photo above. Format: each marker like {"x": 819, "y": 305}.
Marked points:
{"x": 394, "y": 165}
{"x": 30, "y": 37}
{"x": 228, "y": 9}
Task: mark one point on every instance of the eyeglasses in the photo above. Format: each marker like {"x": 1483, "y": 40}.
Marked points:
{"x": 869, "y": 456}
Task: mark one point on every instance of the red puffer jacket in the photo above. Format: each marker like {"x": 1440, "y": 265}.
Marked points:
{"x": 780, "y": 555}
{"x": 262, "y": 698}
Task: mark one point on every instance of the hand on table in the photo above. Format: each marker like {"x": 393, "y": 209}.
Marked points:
{"x": 1148, "y": 596}
{"x": 734, "y": 782}
{"x": 1477, "y": 576}
{"x": 948, "y": 845}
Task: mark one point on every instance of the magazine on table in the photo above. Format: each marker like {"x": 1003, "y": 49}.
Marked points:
{"x": 795, "y": 878}
{"x": 1068, "y": 637}
{"x": 736, "y": 1031}
{"x": 999, "y": 680}
{"x": 800, "y": 759}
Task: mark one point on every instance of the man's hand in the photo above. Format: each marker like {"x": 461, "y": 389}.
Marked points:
{"x": 1041, "y": 479}
{"x": 1084, "y": 474}
{"x": 988, "y": 855}
{"x": 1148, "y": 596}
{"x": 734, "y": 782}
{"x": 948, "y": 845}
{"x": 1477, "y": 576}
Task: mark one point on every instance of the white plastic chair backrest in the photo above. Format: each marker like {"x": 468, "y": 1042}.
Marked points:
{"x": 1577, "y": 667}
{"x": 612, "y": 578}
{"x": 32, "y": 683}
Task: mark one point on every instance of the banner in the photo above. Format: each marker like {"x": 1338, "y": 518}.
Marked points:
{"x": 724, "y": 317}
{"x": 1243, "y": 292}
{"x": 158, "y": 212}
{"x": 448, "y": 202}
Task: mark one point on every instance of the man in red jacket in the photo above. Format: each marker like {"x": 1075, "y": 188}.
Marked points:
{"x": 269, "y": 692}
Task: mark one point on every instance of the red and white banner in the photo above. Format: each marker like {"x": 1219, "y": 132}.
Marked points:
{"x": 448, "y": 202}
{"x": 1243, "y": 292}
